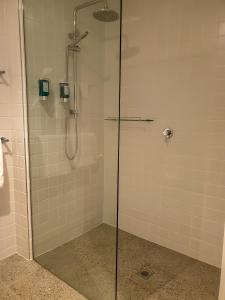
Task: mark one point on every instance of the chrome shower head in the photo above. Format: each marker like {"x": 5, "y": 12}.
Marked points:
{"x": 80, "y": 37}
{"x": 106, "y": 15}
{"x": 74, "y": 46}
{"x": 77, "y": 37}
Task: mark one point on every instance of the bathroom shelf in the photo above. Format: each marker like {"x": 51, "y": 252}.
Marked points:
{"x": 129, "y": 119}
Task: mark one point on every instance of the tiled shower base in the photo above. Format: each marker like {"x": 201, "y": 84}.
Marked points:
{"x": 146, "y": 271}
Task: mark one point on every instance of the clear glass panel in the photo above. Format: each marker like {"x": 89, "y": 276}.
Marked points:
{"x": 172, "y": 196}
{"x": 73, "y": 147}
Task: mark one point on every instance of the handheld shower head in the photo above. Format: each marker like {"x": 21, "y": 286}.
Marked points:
{"x": 80, "y": 37}
{"x": 76, "y": 38}
{"x": 74, "y": 46}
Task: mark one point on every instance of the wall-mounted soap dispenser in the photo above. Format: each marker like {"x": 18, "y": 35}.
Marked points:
{"x": 64, "y": 91}
{"x": 43, "y": 89}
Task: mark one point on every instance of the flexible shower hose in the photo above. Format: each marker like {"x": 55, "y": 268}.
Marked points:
{"x": 68, "y": 114}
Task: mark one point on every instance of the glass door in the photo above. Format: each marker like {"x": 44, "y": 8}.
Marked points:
{"x": 73, "y": 66}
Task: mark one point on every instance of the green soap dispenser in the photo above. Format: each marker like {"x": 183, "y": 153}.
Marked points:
{"x": 43, "y": 89}
{"x": 64, "y": 91}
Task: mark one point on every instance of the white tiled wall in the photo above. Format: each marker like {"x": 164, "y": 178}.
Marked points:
{"x": 173, "y": 70}
{"x": 13, "y": 197}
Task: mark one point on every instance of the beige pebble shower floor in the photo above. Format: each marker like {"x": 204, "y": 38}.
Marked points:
{"x": 88, "y": 265}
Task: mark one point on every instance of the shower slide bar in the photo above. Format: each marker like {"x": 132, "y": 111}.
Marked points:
{"x": 129, "y": 119}
{"x": 4, "y": 140}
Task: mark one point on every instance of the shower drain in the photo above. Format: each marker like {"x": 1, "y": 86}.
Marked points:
{"x": 144, "y": 274}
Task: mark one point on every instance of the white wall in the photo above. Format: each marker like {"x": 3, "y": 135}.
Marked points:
{"x": 13, "y": 196}
{"x": 173, "y": 71}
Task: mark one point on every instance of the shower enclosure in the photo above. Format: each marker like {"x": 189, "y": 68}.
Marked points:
{"x": 72, "y": 64}
{"x": 157, "y": 152}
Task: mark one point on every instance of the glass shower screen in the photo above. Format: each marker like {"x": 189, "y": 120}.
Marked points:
{"x": 72, "y": 69}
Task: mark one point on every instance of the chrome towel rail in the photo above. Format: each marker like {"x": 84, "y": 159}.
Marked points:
{"x": 129, "y": 119}
{"x": 4, "y": 140}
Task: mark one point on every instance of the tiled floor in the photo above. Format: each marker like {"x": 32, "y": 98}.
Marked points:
{"x": 174, "y": 276}
{"x": 88, "y": 264}
{"x": 25, "y": 280}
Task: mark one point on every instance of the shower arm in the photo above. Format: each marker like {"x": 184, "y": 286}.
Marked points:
{"x": 85, "y": 5}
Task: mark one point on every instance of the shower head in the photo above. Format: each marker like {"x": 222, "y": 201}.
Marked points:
{"x": 80, "y": 37}
{"x": 77, "y": 37}
{"x": 106, "y": 15}
{"x": 74, "y": 46}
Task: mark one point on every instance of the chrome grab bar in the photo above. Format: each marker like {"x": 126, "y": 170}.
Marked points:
{"x": 4, "y": 140}
{"x": 129, "y": 119}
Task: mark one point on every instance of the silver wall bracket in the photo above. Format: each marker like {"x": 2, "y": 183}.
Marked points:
{"x": 168, "y": 133}
{"x": 4, "y": 140}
